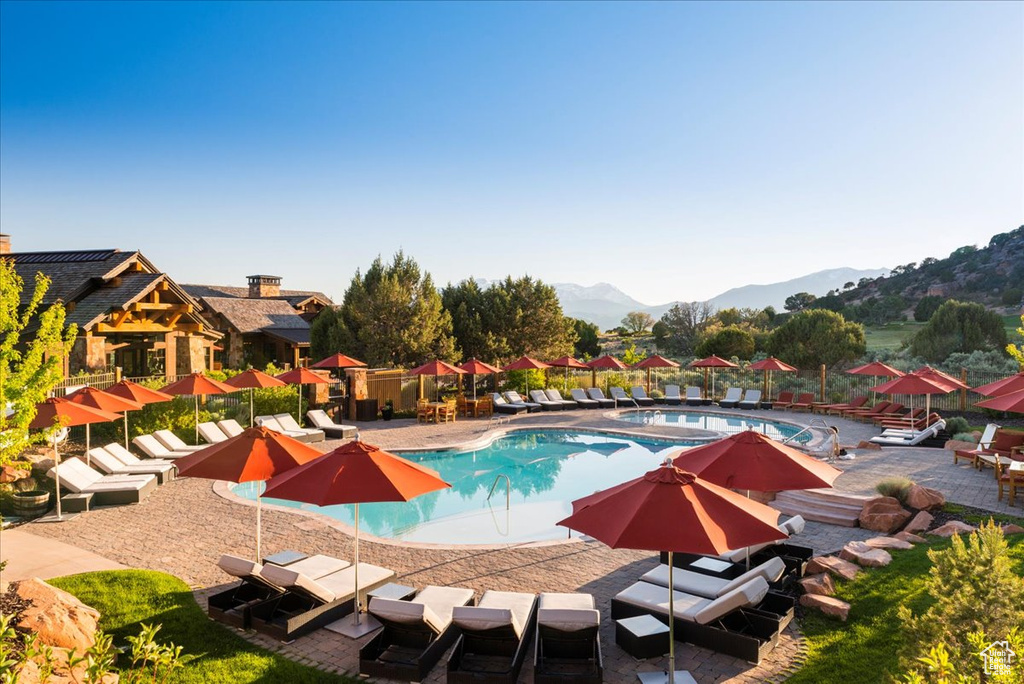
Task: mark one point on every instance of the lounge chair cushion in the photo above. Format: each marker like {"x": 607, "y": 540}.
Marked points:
{"x": 211, "y": 433}
{"x": 694, "y": 608}
{"x": 567, "y": 612}
{"x": 318, "y": 566}
{"x": 713, "y": 587}
{"x": 289, "y": 579}
{"x": 444, "y": 599}
{"x": 749, "y": 594}
{"x": 496, "y": 609}
{"x": 407, "y": 613}
{"x": 794, "y": 525}
{"x": 230, "y": 427}
{"x": 238, "y": 567}
{"x": 343, "y": 582}
{"x": 1006, "y": 440}
{"x": 174, "y": 443}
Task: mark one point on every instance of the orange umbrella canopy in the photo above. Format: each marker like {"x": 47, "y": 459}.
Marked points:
{"x": 256, "y": 455}
{"x": 338, "y": 360}
{"x": 477, "y": 367}
{"x": 98, "y": 399}
{"x": 1012, "y": 402}
{"x": 65, "y": 413}
{"x": 567, "y": 362}
{"x": 126, "y": 389}
{"x": 773, "y": 364}
{"x": 749, "y": 460}
{"x": 1014, "y": 383}
{"x": 302, "y": 376}
{"x": 437, "y": 367}
{"x": 253, "y": 379}
{"x": 876, "y": 368}
{"x": 705, "y": 518}
{"x": 606, "y": 361}
{"x": 713, "y": 362}
{"x": 526, "y": 363}
{"x": 197, "y": 384}
{"x": 656, "y": 361}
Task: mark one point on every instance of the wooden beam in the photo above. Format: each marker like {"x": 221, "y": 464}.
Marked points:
{"x": 133, "y": 327}
{"x": 172, "y": 318}
{"x": 118, "y": 318}
{"x": 160, "y": 306}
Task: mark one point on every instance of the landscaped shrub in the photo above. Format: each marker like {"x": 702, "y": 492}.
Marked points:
{"x": 957, "y": 424}
{"x": 896, "y": 487}
{"x": 965, "y": 437}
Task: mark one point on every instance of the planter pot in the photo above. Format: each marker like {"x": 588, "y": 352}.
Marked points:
{"x": 31, "y": 504}
{"x": 386, "y": 413}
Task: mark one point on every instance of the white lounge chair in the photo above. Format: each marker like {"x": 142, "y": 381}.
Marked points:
{"x": 516, "y": 398}
{"x": 106, "y": 489}
{"x": 568, "y": 638}
{"x": 164, "y": 472}
{"x": 910, "y": 437}
{"x": 694, "y": 396}
{"x": 322, "y": 421}
{"x": 640, "y": 396}
{"x": 287, "y": 421}
{"x": 732, "y": 397}
{"x": 211, "y": 433}
{"x": 597, "y": 395}
{"x": 495, "y": 637}
{"x": 230, "y": 427}
{"x": 580, "y": 397}
{"x": 539, "y": 397}
{"x": 271, "y": 423}
{"x": 708, "y": 586}
{"x": 149, "y": 445}
{"x": 751, "y": 400}
{"x": 126, "y": 457}
{"x": 672, "y": 397}
{"x": 556, "y": 396}
{"x": 620, "y": 397}
{"x": 174, "y": 443}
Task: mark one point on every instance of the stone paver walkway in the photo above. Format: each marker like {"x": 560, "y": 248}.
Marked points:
{"x": 184, "y": 527}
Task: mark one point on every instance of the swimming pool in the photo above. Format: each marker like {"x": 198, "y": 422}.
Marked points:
{"x": 718, "y": 422}
{"x": 546, "y": 471}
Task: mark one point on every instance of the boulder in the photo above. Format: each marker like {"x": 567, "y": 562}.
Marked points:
{"x": 920, "y": 523}
{"x": 1012, "y": 529}
{"x": 10, "y": 474}
{"x": 832, "y": 564}
{"x": 865, "y": 556}
{"x": 958, "y": 445}
{"x": 953, "y": 527}
{"x": 820, "y": 584}
{"x": 910, "y": 537}
{"x": 924, "y": 498}
{"x": 889, "y": 543}
{"x": 883, "y": 514}
{"x": 57, "y": 617}
{"x": 869, "y": 446}
{"x": 827, "y": 605}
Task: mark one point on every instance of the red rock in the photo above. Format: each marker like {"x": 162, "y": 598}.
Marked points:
{"x": 883, "y": 514}
{"x": 910, "y": 537}
{"x": 57, "y": 617}
{"x": 870, "y": 446}
{"x": 924, "y": 498}
{"x": 827, "y": 605}
{"x": 1012, "y": 529}
{"x": 820, "y": 584}
{"x": 865, "y": 556}
{"x": 921, "y": 522}
{"x": 10, "y": 474}
{"x": 889, "y": 543}
{"x": 953, "y": 527}
{"x": 832, "y": 564}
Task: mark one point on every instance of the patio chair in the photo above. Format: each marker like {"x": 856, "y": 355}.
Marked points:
{"x": 856, "y": 402}
{"x": 556, "y": 396}
{"x": 149, "y": 446}
{"x": 230, "y": 427}
{"x": 783, "y": 400}
{"x": 640, "y": 396}
{"x": 424, "y": 411}
{"x": 568, "y": 640}
{"x": 751, "y": 400}
{"x": 732, "y": 397}
{"x": 447, "y": 412}
{"x": 175, "y": 443}
{"x": 726, "y": 624}
{"x": 580, "y": 397}
{"x": 485, "y": 406}
{"x": 515, "y": 398}
{"x": 694, "y": 397}
{"x": 307, "y": 603}
{"x": 1009, "y": 480}
{"x": 804, "y": 402}
{"x": 909, "y": 437}
{"x": 875, "y": 409}
{"x": 620, "y": 397}
{"x": 708, "y": 586}
{"x": 541, "y": 397}
{"x": 496, "y": 634}
{"x": 984, "y": 443}
{"x": 416, "y": 633}
{"x": 672, "y": 397}
{"x": 597, "y": 395}
{"x": 232, "y": 606}
{"x": 1006, "y": 446}
{"x": 288, "y": 422}
{"x": 117, "y": 450}
{"x": 107, "y": 490}
{"x": 164, "y": 472}
{"x": 211, "y": 434}
{"x": 894, "y": 410}
{"x": 501, "y": 405}
{"x": 322, "y": 421}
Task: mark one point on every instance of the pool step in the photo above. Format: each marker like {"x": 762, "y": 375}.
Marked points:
{"x": 822, "y": 505}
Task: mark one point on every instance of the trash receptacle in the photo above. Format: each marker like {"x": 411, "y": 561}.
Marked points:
{"x": 366, "y": 409}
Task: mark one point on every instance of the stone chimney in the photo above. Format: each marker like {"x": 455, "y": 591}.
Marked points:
{"x": 5, "y": 243}
{"x": 263, "y": 286}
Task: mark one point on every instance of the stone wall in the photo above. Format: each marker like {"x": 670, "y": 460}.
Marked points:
{"x": 88, "y": 354}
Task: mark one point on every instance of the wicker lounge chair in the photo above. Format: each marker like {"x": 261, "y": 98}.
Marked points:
{"x": 175, "y": 443}
{"x": 540, "y": 397}
{"x": 583, "y": 400}
{"x": 287, "y": 421}
{"x": 732, "y": 397}
{"x": 164, "y": 472}
{"x": 620, "y": 397}
{"x": 501, "y": 405}
{"x": 321, "y": 421}
{"x": 708, "y": 586}
{"x": 416, "y": 633}
{"x": 751, "y": 400}
{"x": 232, "y": 606}
{"x": 568, "y": 640}
{"x": 640, "y": 396}
{"x": 597, "y": 395}
{"x": 516, "y": 398}
{"x": 694, "y": 396}
{"x": 107, "y": 490}
{"x": 152, "y": 448}
{"x": 211, "y": 434}
{"x": 567, "y": 404}
{"x": 672, "y": 397}
{"x": 496, "y": 634}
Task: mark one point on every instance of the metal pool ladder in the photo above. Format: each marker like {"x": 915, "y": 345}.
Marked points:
{"x": 508, "y": 490}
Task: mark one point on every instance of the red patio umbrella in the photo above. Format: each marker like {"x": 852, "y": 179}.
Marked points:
{"x": 1014, "y": 383}
{"x": 436, "y": 368}
{"x": 914, "y": 384}
{"x": 566, "y": 362}
{"x": 255, "y": 455}
{"x": 251, "y": 379}
{"x": 476, "y": 367}
{"x": 98, "y": 399}
{"x": 63, "y": 413}
{"x": 711, "y": 362}
{"x": 196, "y": 385}
{"x": 126, "y": 389}
{"x": 606, "y": 362}
{"x": 656, "y": 361}
{"x": 527, "y": 364}
{"x": 355, "y": 473}
{"x": 1012, "y": 402}
{"x": 338, "y": 360}
{"x": 876, "y": 368}
{"x": 703, "y": 517}
{"x": 301, "y": 376}
{"x": 768, "y": 365}
{"x": 940, "y": 377}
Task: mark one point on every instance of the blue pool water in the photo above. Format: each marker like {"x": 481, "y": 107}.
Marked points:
{"x": 547, "y": 469}
{"x": 717, "y": 422}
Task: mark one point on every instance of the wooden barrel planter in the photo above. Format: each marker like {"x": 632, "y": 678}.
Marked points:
{"x": 31, "y": 504}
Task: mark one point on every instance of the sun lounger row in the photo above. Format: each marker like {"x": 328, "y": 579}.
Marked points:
{"x": 512, "y": 402}
{"x": 106, "y": 490}
{"x": 895, "y": 437}
{"x": 285, "y": 424}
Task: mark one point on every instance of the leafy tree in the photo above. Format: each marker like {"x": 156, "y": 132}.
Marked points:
{"x": 799, "y": 301}
{"x": 727, "y": 343}
{"x": 686, "y": 321}
{"x": 1011, "y": 296}
{"x": 391, "y": 316}
{"x": 1017, "y": 350}
{"x": 660, "y": 332}
{"x": 926, "y": 308}
{"x": 958, "y": 327}
{"x": 637, "y": 321}
{"x": 30, "y": 367}
{"x": 770, "y": 313}
{"x": 587, "y": 345}
{"x": 849, "y": 285}
{"x": 864, "y": 282}
{"x": 631, "y": 356}
{"x": 814, "y": 337}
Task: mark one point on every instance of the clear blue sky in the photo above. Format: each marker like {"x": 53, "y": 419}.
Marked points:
{"x": 673, "y": 149}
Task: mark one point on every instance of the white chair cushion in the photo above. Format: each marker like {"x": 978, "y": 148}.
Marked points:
{"x": 289, "y": 579}
{"x": 211, "y": 433}
{"x": 655, "y": 598}
{"x": 572, "y": 601}
{"x": 771, "y": 570}
{"x": 794, "y": 525}
{"x": 520, "y": 604}
{"x": 319, "y": 566}
{"x": 686, "y": 580}
{"x": 287, "y": 421}
{"x": 230, "y": 427}
{"x": 238, "y": 567}
{"x": 407, "y": 613}
{"x": 442, "y": 600}
{"x": 343, "y": 582}
{"x": 567, "y": 612}
{"x": 475, "y": 618}
{"x": 749, "y": 594}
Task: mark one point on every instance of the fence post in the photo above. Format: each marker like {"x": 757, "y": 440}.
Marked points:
{"x": 963, "y": 392}
{"x": 823, "y": 382}
{"x": 419, "y": 389}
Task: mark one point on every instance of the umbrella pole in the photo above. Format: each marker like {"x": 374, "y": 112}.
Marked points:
{"x": 671, "y": 624}
{"x": 126, "y": 431}
{"x": 355, "y": 565}
{"x": 56, "y": 474}
{"x": 299, "y": 386}
{"x": 252, "y": 400}
{"x": 259, "y": 499}
{"x": 197, "y": 420}
{"x": 88, "y": 444}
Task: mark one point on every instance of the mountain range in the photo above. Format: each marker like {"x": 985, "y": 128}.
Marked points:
{"x": 606, "y": 305}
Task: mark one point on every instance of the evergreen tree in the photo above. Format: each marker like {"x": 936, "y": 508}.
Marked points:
{"x": 814, "y": 337}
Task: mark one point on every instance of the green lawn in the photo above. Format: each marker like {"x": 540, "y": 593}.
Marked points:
{"x": 891, "y": 335}
{"x": 866, "y": 647}
{"x": 211, "y": 652}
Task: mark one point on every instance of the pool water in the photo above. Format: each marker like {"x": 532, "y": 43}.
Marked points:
{"x": 546, "y": 471}
{"x": 717, "y": 422}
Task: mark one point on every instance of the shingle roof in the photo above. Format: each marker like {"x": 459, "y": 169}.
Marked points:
{"x": 298, "y": 337}
{"x": 293, "y": 297}
{"x": 252, "y": 315}
{"x": 69, "y": 272}
{"x": 104, "y": 300}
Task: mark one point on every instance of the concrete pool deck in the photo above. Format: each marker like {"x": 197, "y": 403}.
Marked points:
{"x": 184, "y": 527}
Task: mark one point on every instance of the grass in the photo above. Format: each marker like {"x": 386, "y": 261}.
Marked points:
{"x": 866, "y": 647}
{"x": 210, "y": 652}
{"x": 891, "y": 336}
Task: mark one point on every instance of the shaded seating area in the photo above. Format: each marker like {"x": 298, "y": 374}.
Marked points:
{"x": 496, "y": 635}
{"x": 568, "y": 640}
